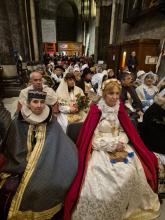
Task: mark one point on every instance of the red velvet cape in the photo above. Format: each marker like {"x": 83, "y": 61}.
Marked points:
{"x": 147, "y": 158}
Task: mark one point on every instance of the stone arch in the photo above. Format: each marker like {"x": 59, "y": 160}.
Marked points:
{"x": 67, "y": 14}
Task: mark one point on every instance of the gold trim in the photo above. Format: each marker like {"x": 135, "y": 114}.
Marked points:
{"x": 3, "y": 177}
{"x": 30, "y": 215}
{"x": 33, "y": 159}
{"x": 29, "y": 142}
{"x": 143, "y": 215}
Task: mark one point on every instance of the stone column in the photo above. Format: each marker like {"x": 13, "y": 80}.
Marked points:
{"x": 98, "y": 5}
{"x": 84, "y": 33}
{"x": 28, "y": 33}
{"x": 112, "y": 22}
{"x": 34, "y": 30}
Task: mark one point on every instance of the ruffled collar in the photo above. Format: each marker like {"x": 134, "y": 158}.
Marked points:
{"x": 32, "y": 118}
{"x": 106, "y": 110}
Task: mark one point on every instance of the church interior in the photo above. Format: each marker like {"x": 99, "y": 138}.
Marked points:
{"x": 61, "y": 51}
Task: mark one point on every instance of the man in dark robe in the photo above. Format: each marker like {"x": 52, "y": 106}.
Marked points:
{"x": 41, "y": 163}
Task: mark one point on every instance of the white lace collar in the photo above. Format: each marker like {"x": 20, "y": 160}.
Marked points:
{"x": 32, "y": 118}
{"x": 106, "y": 110}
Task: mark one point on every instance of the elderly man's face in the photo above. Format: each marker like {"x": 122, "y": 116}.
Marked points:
{"x": 127, "y": 81}
{"x": 36, "y": 81}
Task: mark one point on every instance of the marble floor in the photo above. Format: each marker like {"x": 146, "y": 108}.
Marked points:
{"x": 162, "y": 211}
{"x": 11, "y": 105}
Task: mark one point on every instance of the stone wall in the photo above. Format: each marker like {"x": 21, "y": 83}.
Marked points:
{"x": 50, "y": 10}
{"x": 49, "y": 7}
{"x": 92, "y": 26}
{"x": 12, "y": 31}
{"x": 150, "y": 26}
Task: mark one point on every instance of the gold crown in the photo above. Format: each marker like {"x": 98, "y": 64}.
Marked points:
{"x": 107, "y": 82}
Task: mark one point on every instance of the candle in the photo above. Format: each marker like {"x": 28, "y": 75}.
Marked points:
{"x": 123, "y": 59}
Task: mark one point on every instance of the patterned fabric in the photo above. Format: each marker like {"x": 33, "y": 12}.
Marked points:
{"x": 147, "y": 158}
{"x": 161, "y": 176}
{"x": 114, "y": 191}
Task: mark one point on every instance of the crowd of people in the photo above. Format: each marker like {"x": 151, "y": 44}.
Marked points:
{"x": 111, "y": 172}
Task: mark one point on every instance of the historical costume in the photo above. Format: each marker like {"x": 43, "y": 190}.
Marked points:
{"x": 139, "y": 79}
{"x": 112, "y": 185}
{"x": 153, "y": 131}
{"x": 130, "y": 98}
{"x": 41, "y": 162}
{"x": 98, "y": 73}
{"x": 147, "y": 90}
{"x": 67, "y": 99}
{"x": 154, "y": 124}
{"x": 128, "y": 94}
{"x": 57, "y": 76}
{"x": 76, "y": 72}
{"x": 100, "y": 82}
{"x": 85, "y": 82}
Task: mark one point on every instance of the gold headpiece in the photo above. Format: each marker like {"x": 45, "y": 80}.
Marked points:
{"x": 107, "y": 82}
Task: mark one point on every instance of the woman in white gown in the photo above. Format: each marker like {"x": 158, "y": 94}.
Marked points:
{"x": 67, "y": 95}
{"x": 115, "y": 186}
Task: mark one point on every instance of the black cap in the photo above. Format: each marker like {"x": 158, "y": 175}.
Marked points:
{"x": 35, "y": 94}
{"x": 60, "y": 67}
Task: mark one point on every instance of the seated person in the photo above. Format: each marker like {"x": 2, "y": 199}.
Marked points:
{"x": 77, "y": 74}
{"x": 50, "y": 68}
{"x": 147, "y": 90}
{"x": 57, "y": 76}
{"x": 111, "y": 74}
{"x": 139, "y": 79}
{"x": 153, "y": 125}
{"x": 85, "y": 81}
{"x": 37, "y": 84}
{"x": 103, "y": 78}
{"x": 111, "y": 181}
{"x": 153, "y": 131}
{"x": 41, "y": 162}
{"x": 67, "y": 94}
{"x": 130, "y": 98}
{"x": 97, "y": 77}
{"x": 46, "y": 78}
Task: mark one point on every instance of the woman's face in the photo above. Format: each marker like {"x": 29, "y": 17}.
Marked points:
{"x": 111, "y": 73}
{"x": 70, "y": 82}
{"x": 112, "y": 96}
{"x": 77, "y": 75}
{"x": 149, "y": 80}
{"x": 37, "y": 106}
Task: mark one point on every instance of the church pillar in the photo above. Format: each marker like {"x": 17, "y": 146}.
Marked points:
{"x": 111, "y": 38}
{"x": 27, "y": 28}
{"x": 84, "y": 33}
{"x": 98, "y": 4}
{"x": 34, "y": 30}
